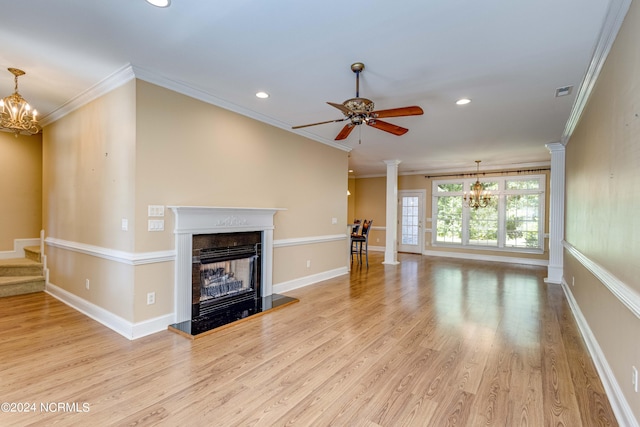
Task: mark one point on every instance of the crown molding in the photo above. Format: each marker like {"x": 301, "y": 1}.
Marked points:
{"x": 106, "y": 85}
{"x": 612, "y": 23}
{"x": 130, "y": 72}
{"x": 457, "y": 170}
{"x": 201, "y": 95}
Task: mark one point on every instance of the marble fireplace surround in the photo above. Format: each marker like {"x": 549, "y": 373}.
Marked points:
{"x": 190, "y": 220}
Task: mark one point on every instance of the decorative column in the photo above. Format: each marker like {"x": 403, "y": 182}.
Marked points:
{"x": 556, "y": 213}
{"x": 391, "y": 247}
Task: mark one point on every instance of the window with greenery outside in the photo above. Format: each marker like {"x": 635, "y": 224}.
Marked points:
{"x": 512, "y": 220}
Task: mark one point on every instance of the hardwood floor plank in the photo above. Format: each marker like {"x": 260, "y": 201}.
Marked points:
{"x": 559, "y": 395}
{"x": 429, "y": 342}
{"x": 589, "y": 391}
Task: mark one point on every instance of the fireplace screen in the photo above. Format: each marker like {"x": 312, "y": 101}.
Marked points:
{"x": 225, "y": 278}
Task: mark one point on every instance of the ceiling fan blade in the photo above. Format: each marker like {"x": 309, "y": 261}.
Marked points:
{"x": 388, "y": 127}
{"x": 346, "y": 130}
{"x": 340, "y": 107}
{"x": 319, "y": 123}
{"x": 399, "y": 112}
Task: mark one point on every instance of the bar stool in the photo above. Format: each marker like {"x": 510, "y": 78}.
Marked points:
{"x": 358, "y": 240}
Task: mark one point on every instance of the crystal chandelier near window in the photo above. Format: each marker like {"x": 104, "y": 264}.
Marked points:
{"x": 478, "y": 197}
{"x": 16, "y": 115}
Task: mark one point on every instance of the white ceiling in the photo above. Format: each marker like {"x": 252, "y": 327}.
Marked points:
{"x": 507, "y": 56}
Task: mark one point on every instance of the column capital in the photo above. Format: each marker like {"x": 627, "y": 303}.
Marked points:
{"x": 555, "y": 147}
{"x": 392, "y": 162}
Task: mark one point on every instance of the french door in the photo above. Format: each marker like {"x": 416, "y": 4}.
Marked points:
{"x": 410, "y": 221}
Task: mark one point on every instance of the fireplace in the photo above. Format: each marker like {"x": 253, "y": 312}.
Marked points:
{"x": 223, "y": 270}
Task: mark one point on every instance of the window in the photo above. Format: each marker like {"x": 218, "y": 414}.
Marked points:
{"x": 513, "y": 220}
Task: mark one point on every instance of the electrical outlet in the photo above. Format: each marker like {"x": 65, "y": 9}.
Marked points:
{"x": 634, "y": 378}
{"x": 308, "y": 263}
{"x": 86, "y": 283}
{"x": 151, "y": 298}
{"x": 125, "y": 224}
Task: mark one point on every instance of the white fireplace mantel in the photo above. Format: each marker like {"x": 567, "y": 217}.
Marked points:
{"x": 190, "y": 220}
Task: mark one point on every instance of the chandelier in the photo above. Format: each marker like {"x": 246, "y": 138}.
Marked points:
{"x": 16, "y": 114}
{"x": 478, "y": 197}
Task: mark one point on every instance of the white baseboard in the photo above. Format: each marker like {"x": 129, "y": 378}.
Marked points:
{"x": 133, "y": 331}
{"x": 308, "y": 280}
{"x": 18, "y": 248}
{"x": 619, "y": 404}
{"x": 116, "y": 323}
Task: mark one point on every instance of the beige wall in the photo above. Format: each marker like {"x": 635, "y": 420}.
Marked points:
{"x": 88, "y": 183}
{"x": 20, "y": 188}
{"x": 370, "y": 202}
{"x": 89, "y": 172}
{"x": 602, "y": 201}
{"x": 144, "y": 145}
{"x": 351, "y": 200}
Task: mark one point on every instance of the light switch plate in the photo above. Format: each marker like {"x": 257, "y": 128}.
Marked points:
{"x": 156, "y": 225}
{"x": 155, "y": 210}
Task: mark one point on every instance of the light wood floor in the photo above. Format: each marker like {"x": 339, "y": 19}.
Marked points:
{"x": 430, "y": 342}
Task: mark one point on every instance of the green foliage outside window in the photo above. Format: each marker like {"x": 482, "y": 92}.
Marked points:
{"x": 516, "y": 204}
{"x": 449, "y": 221}
{"x": 483, "y": 225}
{"x": 522, "y": 220}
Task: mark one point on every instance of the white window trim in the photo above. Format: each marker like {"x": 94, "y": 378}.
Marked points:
{"x": 501, "y": 193}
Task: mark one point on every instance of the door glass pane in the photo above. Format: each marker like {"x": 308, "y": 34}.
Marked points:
{"x": 409, "y": 221}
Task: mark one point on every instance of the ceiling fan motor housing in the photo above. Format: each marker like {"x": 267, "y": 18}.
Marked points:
{"x": 362, "y": 110}
{"x": 359, "y": 105}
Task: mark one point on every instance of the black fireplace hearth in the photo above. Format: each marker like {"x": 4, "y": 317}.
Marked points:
{"x": 230, "y": 314}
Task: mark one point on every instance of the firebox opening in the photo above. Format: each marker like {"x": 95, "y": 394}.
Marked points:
{"x": 226, "y": 269}
{"x": 227, "y": 275}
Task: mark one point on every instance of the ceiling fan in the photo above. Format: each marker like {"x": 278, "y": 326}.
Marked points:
{"x": 361, "y": 110}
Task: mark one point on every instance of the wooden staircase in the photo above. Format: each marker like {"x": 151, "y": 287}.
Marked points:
{"x": 22, "y": 275}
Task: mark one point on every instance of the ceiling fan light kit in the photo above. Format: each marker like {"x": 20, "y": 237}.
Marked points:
{"x": 362, "y": 111}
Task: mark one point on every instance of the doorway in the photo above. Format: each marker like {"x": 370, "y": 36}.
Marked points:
{"x": 410, "y": 221}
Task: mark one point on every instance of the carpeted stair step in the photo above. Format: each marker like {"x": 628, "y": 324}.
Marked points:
{"x": 18, "y": 285}
{"x": 20, "y": 267}
{"x": 33, "y": 253}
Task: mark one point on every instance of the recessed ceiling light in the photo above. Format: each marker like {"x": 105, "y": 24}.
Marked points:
{"x": 350, "y": 170}
{"x": 160, "y": 3}
{"x": 463, "y": 101}
{"x": 262, "y": 95}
